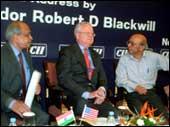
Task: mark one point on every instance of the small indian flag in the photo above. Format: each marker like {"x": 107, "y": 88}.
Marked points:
{"x": 65, "y": 118}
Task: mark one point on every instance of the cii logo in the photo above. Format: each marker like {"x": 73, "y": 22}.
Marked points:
{"x": 119, "y": 51}
{"x": 2, "y": 44}
{"x": 165, "y": 52}
{"x": 38, "y": 50}
{"x": 99, "y": 49}
{"x": 61, "y": 46}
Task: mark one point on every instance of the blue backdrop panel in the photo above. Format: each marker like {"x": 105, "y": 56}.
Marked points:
{"x": 52, "y": 24}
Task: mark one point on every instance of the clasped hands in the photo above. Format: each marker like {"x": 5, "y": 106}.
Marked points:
{"x": 141, "y": 90}
{"x": 19, "y": 107}
{"x": 166, "y": 89}
{"x": 99, "y": 95}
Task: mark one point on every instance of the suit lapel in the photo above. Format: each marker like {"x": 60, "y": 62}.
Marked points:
{"x": 28, "y": 60}
{"x": 79, "y": 55}
{"x": 93, "y": 56}
{"x": 13, "y": 59}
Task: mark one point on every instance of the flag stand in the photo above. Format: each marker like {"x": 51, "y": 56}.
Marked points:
{"x": 82, "y": 115}
{"x": 73, "y": 113}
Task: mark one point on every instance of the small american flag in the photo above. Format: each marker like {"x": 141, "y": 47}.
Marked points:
{"x": 89, "y": 113}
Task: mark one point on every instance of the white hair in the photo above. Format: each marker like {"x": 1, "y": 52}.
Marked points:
{"x": 78, "y": 26}
{"x": 13, "y": 28}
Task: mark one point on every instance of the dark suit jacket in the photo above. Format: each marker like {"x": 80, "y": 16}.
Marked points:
{"x": 10, "y": 76}
{"x": 72, "y": 72}
{"x": 11, "y": 84}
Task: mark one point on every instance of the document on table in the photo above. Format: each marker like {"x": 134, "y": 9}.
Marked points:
{"x": 31, "y": 88}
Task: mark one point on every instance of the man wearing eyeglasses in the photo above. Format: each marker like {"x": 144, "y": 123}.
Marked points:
{"x": 81, "y": 73}
{"x": 137, "y": 73}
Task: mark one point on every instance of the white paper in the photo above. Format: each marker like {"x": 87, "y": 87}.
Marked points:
{"x": 31, "y": 88}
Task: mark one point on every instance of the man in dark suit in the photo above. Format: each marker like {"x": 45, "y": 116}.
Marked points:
{"x": 81, "y": 73}
{"x": 13, "y": 79}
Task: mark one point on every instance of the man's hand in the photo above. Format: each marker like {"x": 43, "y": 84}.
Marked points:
{"x": 94, "y": 94}
{"x": 20, "y": 107}
{"x": 101, "y": 92}
{"x": 98, "y": 93}
{"x": 99, "y": 100}
{"x": 166, "y": 89}
{"x": 99, "y": 96}
{"x": 141, "y": 90}
{"x": 38, "y": 89}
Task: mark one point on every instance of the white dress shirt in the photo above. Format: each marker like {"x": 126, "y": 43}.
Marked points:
{"x": 131, "y": 72}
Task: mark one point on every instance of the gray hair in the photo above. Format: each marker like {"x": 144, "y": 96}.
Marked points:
{"x": 13, "y": 28}
{"x": 77, "y": 27}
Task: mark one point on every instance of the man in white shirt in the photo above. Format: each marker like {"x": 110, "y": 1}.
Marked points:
{"x": 137, "y": 73}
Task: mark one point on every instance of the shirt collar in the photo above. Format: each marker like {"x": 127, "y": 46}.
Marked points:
{"x": 81, "y": 47}
{"x": 143, "y": 56}
{"x": 15, "y": 50}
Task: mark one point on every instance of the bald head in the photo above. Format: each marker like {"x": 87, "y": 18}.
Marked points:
{"x": 137, "y": 43}
{"x": 139, "y": 38}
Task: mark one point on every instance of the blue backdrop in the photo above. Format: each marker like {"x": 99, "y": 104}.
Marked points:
{"x": 52, "y": 24}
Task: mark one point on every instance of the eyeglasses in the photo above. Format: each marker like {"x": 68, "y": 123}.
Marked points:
{"x": 88, "y": 34}
{"x": 141, "y": 44}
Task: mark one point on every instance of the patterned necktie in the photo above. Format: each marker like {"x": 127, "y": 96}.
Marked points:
{"x": 22, "y": 76}
{"x": 88, "y": 65}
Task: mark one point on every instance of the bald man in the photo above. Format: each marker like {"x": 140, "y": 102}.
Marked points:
{"x": 137, "y": 73}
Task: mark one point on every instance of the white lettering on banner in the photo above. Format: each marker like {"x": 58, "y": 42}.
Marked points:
{"x": 38, "y": 50}
{"x": 89, "y": 5}
{"x": 38, "y": 16}
{"x": 119, "y": 51}
{"x": 61, "y": 3}
{"x": 12, "y": 15}
{"x": 85, "y": 4}
{"x": 131, "y": 25}
{"x": 165, "y": 52}
{"x": 93, "y": 20}
{"x": 35, "y": 50}
{"x": 2, "y": 43}
{"x": 100, "y": 50}
{"x": 165, "y": 42}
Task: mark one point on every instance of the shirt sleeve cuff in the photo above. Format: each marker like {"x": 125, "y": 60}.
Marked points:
{"x": 86, "y": 95}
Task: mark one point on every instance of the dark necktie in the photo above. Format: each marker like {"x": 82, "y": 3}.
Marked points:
{"x": 88, "y": 65}
{"x": 22, "y": 76}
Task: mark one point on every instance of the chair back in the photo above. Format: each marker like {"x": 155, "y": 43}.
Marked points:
{"x": 51, "y": 74}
